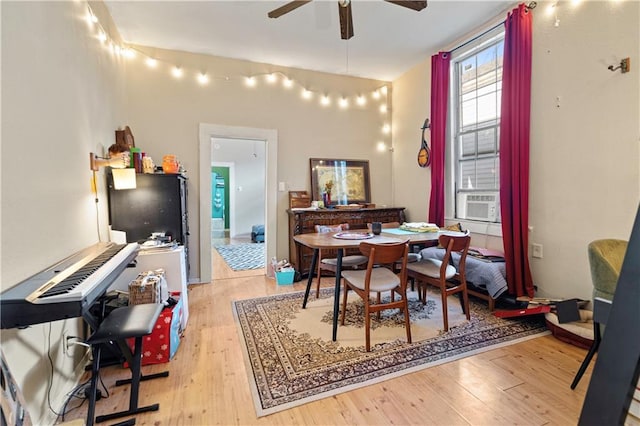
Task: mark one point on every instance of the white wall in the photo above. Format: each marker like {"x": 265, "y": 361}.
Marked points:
{"x": 585, "y": 168}
{"x": 62, "y": 97}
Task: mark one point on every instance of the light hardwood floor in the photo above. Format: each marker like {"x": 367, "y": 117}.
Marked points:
{"x": 526, "y": 383}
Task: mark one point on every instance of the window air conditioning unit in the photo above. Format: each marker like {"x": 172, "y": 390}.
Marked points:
{"x": 479, "y": 206}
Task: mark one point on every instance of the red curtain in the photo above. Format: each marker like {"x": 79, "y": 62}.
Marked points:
{"x": 439, "y": 101}
{"x": 514, "y": 149}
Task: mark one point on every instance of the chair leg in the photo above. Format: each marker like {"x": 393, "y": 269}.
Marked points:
{"x": 407, "y": 320}
{"x": 587, "y": 359}
{"x": 367, "y": 326}
{"x": 378, "y": 298}
{"x": 344, "y": 303}
{"x": 464, "y": 299}
{"x": 445, "y": 309}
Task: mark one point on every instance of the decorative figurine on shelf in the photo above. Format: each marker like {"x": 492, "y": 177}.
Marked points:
{"x": 327, "y": 193}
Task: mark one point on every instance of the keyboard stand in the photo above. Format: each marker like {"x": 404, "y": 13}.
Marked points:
{"x": 135, "y": 321}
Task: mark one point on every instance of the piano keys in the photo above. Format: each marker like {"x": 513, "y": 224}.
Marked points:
{"x": 66, "y": 289}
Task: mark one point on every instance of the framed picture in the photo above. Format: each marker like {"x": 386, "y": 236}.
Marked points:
{"x": 340, "y": 181}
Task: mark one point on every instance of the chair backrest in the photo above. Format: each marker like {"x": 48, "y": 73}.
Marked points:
{"x": 459, "y": 244}
{"x": 386, "y": 254}
{"x": 605, "y": 261}
{"x": 385, "y": 225}
{"x": 332, "y": 228}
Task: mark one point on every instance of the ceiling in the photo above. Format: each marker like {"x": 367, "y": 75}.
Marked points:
{"x": 388, "y": 39}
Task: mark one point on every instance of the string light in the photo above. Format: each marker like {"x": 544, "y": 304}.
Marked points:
{"x": 287, "y": 82}
{"x": 250, "y": 81}
{"x": 306, "y": 94}
{"x": 361, "y": 100}
{"x": 152, "y": 63}
{"x": 376, "y": 94}
{"x": 203, "y": 78}
{"x": 386, "y": 129}
{"x": 325, "y": 100}
{"x": 177, "y": 72}
{"x": 383, "y": 108}
{"x": 272, "y": 78}
{"x": 344, "y": 103}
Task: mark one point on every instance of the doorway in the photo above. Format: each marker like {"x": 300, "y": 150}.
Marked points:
{"x": 264, "y": 137}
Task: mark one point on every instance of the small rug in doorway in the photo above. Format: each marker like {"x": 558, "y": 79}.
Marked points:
{"x": 291, "y": 360}
{"x": 242, "y": 257}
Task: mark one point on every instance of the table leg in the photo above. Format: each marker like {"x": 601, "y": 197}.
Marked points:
{"x": 336, "y": 296}
{"x": 314, "y": 261}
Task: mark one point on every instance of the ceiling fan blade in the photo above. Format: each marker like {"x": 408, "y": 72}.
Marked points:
{"x": 414, "y": 5}
{"x": 292, "y": 5}
{"x": 346, "y": 21}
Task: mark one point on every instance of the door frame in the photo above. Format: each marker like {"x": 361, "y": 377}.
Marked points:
{"x": 207, "y": 131}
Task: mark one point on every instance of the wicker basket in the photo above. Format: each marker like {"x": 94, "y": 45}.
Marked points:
{"x": 145, "y": 288}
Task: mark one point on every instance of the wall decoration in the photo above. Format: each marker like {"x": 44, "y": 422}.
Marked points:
{"x": 340, "y": 181}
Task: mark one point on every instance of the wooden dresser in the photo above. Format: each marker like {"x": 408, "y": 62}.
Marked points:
{"x": 304, "y": 221}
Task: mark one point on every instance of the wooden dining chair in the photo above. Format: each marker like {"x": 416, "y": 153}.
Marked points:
{"x": 411, "y": 258}
{"x": 379, "y": 277}
{"x": 331, "y": 263}
{"x": 443, "y": 274}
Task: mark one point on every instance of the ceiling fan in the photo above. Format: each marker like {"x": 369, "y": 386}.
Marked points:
{"x": 344, "y": 10}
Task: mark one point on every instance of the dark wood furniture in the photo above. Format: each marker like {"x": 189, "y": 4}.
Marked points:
{"x": 157, "y": 204}
{"x": 304, "y": 221}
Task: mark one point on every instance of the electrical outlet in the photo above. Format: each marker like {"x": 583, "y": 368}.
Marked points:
{"x": 536, "y": 251}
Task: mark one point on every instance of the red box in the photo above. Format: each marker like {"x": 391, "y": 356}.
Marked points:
{"x": 161, "y": 345}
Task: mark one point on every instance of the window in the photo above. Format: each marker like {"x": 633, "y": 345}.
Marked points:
{"x": 476, "y": 92}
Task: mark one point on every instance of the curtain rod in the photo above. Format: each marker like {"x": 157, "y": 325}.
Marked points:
{"x": 530, "y": 5}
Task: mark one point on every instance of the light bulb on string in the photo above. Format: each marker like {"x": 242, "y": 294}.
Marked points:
{"x": 203, "y": 78}
{"x": 287, "y": 82}
{"x": 344, "y": 103}
{"x": 306, "y": 94}
{"x": 325, "y": 100}
{"x": 177, "y": 72}
{"x": 376, "y": 94}
{"x": 151, "y": 62}
{"x": 383, "y": 108}
{"x": 271, "y": 78}
{"x": 250, "y": 81}
{"x": 361, "y": 100}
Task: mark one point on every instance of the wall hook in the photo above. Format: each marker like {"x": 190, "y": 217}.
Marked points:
{"x": 624, "y": 66}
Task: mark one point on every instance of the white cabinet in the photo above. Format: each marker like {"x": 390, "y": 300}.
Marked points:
{"x": 174, "y": 264}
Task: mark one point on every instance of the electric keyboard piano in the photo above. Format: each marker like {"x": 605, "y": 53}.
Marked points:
{"x": 67, "y": 289}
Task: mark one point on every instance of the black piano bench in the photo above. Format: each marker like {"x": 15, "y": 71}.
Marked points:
{"x": 134, "y": 321}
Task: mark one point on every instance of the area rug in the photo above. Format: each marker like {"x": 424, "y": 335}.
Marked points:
{"x": 242, "y": 257}
{"x": 291, "y": 360}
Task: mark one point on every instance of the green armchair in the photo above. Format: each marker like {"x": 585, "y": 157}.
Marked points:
{"x": 605, "y": 261}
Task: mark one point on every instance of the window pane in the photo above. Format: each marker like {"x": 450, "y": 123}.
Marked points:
{"x": 486, "y": 173}
{"x": 468, "y": 144}
{"x": 486, "y": 141}
{"x": 487, "y": 108}
{"x": 469, "y": 114}
{"x": 467, "y": 174}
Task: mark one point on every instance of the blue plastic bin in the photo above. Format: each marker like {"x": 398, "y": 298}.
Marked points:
{"x": 285, "y": 277}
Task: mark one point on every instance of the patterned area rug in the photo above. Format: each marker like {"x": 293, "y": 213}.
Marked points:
{"x": 291, "y": 359}
{"x": 242, "y": 257}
